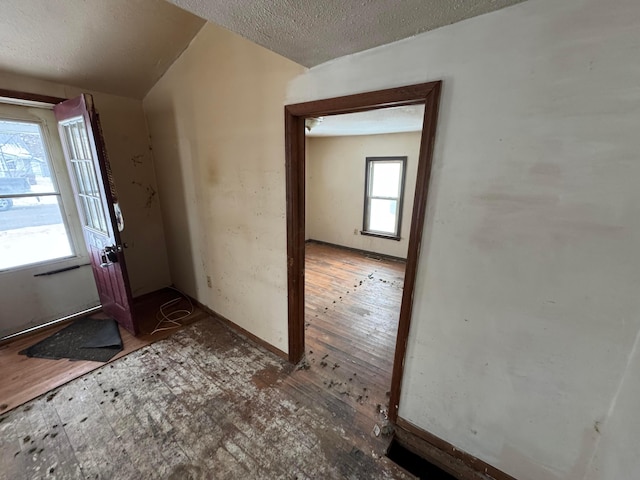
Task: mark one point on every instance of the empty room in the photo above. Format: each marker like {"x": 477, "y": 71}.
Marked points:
{"x": 360, "y": 183}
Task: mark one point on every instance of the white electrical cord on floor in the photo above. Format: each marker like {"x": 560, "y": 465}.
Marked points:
{"x": 171, "y": 319}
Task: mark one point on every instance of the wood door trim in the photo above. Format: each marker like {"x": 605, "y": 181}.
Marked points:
{"x": 360, "y": 102}
{"x": 424, "y": 93}
{"x": 30, "y": 97}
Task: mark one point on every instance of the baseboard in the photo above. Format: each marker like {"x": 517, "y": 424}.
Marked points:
{"x": 242, "y": 331}
{"x": 358, "y": 250}
{"x": 441, "y": 453}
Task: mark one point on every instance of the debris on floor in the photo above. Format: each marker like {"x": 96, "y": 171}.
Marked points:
{"x": 303, "y": 365}
{"x": 257, "y": 429}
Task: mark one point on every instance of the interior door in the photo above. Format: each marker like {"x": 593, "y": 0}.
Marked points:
{"x": 96, "y": 200}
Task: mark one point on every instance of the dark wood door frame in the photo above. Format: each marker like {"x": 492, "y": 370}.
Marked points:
{"x": 425, "y": 93}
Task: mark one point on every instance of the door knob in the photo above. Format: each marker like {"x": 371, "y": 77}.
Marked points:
{"x": 109, "y": 255}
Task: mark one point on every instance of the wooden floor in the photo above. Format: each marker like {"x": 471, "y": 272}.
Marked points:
{"x": 204, "y": 403}
{"x": 352, "y": 304}
{"x": 207, "y": 403}
{"x": 24, "y": 378}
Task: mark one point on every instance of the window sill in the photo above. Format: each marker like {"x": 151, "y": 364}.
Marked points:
{"x": 380, "y": 235}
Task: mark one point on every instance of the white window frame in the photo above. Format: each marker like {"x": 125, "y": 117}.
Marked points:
{"x": 368, "y": 197}
{"x": 44, "y": 117}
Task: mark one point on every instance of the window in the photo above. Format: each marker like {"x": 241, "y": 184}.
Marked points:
{"x": 33, "y": 226}
{"x": 384, "y": 188}
{"x": 88, "y": 192}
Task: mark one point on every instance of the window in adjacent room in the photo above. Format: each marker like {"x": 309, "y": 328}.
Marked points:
{"x": 384, "y": 189}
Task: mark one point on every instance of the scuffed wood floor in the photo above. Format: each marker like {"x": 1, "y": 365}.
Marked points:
{"x": 205, "y": 403}
{"x": 24, "y": 378}
{"x": 352, "y": 307}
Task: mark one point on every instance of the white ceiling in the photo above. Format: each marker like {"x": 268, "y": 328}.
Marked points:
{"x": 113, "y": 46}
{"x": 387, "y": 120}
{"x": 311, "y": 32}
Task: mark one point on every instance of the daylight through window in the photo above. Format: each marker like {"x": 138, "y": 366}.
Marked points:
{"x": 384, "y": 188}
{"x": 32, "y": 227}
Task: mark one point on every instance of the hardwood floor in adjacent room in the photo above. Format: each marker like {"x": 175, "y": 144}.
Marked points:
{"x": 352, "y": 305}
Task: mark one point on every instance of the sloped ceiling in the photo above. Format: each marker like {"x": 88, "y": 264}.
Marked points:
{"x": 311, "y": 32}
{"x": 124, "y": 46}
{"x": 114, "y": 46}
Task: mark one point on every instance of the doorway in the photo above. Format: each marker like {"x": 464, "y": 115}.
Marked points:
{"x": 38, "y": 134}
{"x": 427, "y": 94}
{"x": 40, "y": 231}
{"x": 360, "y": 183}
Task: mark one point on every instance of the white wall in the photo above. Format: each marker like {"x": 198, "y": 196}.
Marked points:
{"x": 335, "y": 188}
{"x": 522, "y": 349}
{"x": 127, "y": 140}
{"x": 217, "y": 127}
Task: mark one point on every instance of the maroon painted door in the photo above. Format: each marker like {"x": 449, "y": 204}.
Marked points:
{"x": 95, "y": 196}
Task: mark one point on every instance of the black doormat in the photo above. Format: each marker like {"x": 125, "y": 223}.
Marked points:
{"x": 85, "y": 339}
{"x": 415, "y": 464}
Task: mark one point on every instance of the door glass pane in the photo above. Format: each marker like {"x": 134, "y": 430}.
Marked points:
{"x": 385, "y": 179}
{"x": 382, "y": 215}
{"x": 84, "y": 175}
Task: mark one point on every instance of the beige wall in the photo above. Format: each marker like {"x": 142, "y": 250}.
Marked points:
{"x": 217, "y": 130}
{"x": 335, "y": 188}
{"x": 523, "y": 344}
{"x": 127, "y": 140}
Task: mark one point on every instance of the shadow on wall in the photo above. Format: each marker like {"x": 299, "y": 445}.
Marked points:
{"x": 173, "y": 178}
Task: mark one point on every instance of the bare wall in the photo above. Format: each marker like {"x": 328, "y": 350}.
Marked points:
{"x": 522, "y": 349}
{"x": 217, "y": 129}
{"x": 335, "y": 184}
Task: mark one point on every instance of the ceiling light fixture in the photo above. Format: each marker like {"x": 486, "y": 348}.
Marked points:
{"x": 311, "y": 122}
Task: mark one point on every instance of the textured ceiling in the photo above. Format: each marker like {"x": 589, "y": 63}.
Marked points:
{"x": 125, "y": 46}
{"x": 311, "y": 32}
{"x": 114, "y": 46}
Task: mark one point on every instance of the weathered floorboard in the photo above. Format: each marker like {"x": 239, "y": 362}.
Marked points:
{"x": 228, "y": 411}
{"x": 23, "y": 378}
{"x": 207, "y": 403}
{"x": 352, "y": 308}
